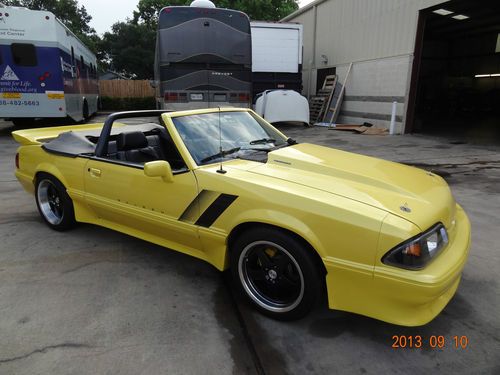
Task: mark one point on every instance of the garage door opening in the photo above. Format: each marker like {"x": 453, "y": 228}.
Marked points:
{"x": 455, "y": 88}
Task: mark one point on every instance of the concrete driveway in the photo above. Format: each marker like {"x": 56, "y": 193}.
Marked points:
{"x": 96, "y": 301}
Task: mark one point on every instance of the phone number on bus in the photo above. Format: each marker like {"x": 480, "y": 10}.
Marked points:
{"x": 20, "y": 102}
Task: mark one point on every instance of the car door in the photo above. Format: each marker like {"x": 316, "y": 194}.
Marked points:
{"x": 125, "y": 199}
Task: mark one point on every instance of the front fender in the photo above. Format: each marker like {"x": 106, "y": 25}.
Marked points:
{"x": 282, "y": 220}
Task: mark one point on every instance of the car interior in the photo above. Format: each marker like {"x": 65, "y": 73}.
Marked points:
{"x": 139, "y": 147}
{"x": 132, "y": 144}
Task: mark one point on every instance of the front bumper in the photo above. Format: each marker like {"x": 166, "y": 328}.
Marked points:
{"x": 399, "y": 296}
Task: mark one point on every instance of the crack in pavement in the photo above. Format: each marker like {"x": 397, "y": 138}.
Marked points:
{"x": 20, "y": 220}
{"x": 45, "y": 349}
{"x": 90, "y": 264}
{"x": 257, "y": 362}
{"x": 453, "y": 165}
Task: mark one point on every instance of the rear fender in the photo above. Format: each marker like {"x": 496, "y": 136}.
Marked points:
{"x": 50, "y": 169}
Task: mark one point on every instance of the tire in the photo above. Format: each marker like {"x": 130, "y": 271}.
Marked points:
{"x": 23, "y": 122}
{"x": 276, "y": 273}
{"x": 54, "y": 204}
{"x": 85, "y": 110}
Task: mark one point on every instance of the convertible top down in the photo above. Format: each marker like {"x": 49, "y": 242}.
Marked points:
{"x": 387, "y": 240}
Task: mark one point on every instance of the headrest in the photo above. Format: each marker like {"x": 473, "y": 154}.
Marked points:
{"x": 131, "y": 140}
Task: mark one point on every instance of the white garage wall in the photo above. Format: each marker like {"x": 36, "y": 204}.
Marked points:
{"x": 378, "y": 37}
{"x": 371, "y": 89}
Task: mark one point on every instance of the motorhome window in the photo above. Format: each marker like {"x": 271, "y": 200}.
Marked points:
{"x": 178, "y": 15}
{"x": 83, "y": 68}
{"x": 23, "y": 54}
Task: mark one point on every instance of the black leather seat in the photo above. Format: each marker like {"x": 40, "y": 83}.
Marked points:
{"x": 155, "y": 142}
{"x": 164, "y": 145}
{"x": 134, "y": 147}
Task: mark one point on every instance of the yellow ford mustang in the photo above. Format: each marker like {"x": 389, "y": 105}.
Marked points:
{"x": 387, "y": 240}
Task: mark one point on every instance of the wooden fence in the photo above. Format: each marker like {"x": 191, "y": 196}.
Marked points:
{"x": 123, "y": 88}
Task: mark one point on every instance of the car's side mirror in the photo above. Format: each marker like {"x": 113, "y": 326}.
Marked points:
{"x": 159, "y": 168}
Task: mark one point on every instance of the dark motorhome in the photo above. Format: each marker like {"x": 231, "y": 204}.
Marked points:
{"x": 203, "y": 58}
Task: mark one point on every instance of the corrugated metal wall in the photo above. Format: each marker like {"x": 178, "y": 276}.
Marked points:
{"x": 378, "y": 36}
{"x": 354, "y": 30}
{"x": 307, "y": 18}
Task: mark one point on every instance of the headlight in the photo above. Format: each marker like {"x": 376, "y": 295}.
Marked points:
{"x": 417, "y": 252}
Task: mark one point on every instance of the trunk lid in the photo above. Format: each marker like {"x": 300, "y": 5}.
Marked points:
{"x": 41, "y": 135}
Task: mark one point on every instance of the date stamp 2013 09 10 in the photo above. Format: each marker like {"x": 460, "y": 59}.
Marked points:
{"x": 432, "y": 342}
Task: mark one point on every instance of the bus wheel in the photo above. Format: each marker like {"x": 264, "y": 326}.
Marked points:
{"x": 85, "y": 111}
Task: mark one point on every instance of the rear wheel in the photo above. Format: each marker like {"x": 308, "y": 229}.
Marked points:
{"x": 85, "y": 110}
{"x": 54, "y": 204}
{"x": 22, "y": 122}
{"x": 276, "y": 272}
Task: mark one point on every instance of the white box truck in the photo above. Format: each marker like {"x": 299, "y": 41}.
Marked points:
{"x": 276, "y": 56}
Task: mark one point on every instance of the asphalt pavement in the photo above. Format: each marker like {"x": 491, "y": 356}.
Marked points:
{"x": 93, "y": 301}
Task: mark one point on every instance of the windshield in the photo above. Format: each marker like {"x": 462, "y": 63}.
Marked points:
{"x": 239, "y": 131}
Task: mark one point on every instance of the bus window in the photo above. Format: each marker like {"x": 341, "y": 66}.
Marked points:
{"x": 23, "y": 54}
{"x": 83, "y": 68}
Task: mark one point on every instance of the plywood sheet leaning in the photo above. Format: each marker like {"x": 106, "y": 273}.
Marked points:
{"x": 334, "y": 108}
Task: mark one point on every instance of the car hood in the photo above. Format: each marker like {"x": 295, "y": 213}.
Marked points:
{"x": 414, "y": 194}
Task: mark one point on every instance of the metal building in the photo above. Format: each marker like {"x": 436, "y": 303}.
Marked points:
{"x": 424, "y": 54}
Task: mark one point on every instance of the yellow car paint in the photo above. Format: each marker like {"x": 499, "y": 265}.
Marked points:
{"x": 347, "y": 207}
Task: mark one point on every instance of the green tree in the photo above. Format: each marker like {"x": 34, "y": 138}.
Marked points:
{"x": 129, "y": 49}
{"x": 74, "y": 16}
{"x": 147, "y": 10}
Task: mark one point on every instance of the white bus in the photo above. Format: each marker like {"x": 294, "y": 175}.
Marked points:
{"x": 45, "y": 70}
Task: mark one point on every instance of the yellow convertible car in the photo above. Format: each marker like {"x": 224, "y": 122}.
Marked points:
{"x": 386, "y": 240}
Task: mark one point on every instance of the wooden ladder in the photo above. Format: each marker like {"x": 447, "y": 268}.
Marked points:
{"x": 319, "y": 103}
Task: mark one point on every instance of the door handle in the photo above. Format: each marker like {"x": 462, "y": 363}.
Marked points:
{"x": 95, "y": 172}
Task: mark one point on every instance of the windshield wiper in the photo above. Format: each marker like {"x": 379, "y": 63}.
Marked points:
{"x": 262, "y": 141}
{"x": 221, "y": 154}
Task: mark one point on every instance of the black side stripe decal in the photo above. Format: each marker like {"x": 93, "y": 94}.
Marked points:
{"x": 192, "y": 208}
{"x": 216, "y": 209}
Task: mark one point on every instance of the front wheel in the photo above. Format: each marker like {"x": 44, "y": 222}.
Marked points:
{"x": 54, "y": 204}
{"x": 276, "y": 272}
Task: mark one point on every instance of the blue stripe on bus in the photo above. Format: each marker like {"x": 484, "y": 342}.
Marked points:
{"x": 48, "y": 61}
